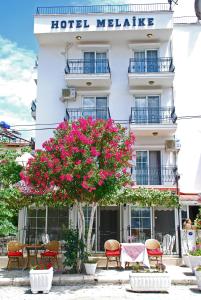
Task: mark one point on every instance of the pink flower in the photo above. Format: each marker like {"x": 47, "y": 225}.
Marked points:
{"x": 94, "y": 151}
{"x": 69, "y": 177}
{"x": 78, "y": 162}
{"x": 89, "y": 161}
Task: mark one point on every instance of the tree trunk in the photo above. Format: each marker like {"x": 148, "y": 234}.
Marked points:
{"x": 89, "y": 233}
{"x": 81, "y": 222}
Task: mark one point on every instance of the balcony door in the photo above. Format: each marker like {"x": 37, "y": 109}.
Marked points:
{"x": 95, "y": 107}
{"x": 147, "y": 109}
{"x": 146, "y": 61}
{"x": 95, "y": 62}
{"x": 148, "y": 167}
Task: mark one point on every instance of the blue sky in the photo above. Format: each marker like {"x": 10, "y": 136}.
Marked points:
{"x": 18, "y": 50}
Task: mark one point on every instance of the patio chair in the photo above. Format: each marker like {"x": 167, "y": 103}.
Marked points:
{"x": 166, "y": 245}
{"x": 51, "y": 253}
{"x": 112, "y": 251}
{"x": 154, "y": 250}
{"x": 15, "y": 253}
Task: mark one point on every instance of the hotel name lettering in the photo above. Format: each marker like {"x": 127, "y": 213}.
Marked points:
{"x": 103, "y": 23}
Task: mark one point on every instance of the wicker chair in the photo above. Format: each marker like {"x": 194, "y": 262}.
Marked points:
{"x": 15, "y": 253}
{"x": 51, "y": 252}
{"x": 112, "y": 250}
{"x": 154, "y": 250}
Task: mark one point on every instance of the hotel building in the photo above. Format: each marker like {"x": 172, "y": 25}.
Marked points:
{"x": 135, "y": 64}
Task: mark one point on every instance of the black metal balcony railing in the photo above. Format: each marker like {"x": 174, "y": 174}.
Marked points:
{"x": 152, "y": 115}
{"x": 153, "y": 175}
{"x": 92, "y": 9}
{"x": 151, "y": 65}
{"x": 83, "y": 66}
{"x": 73, "y": 114}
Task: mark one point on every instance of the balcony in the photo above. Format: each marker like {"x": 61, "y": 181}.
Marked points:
{"x": 73, "y": 114}
{"x": 88, "y": 73}
{"x": 103, "y": 9}
{"x": 33, "y": 109}
{"x": 154, "y": 176}
{"x": 146, "y": 120}
{"x": 151, "y": 72}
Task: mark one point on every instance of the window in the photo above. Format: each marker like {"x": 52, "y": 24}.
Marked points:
{"x": 95, "y": 62}
{"x": 140, "y": 223}
{"x": 46, "y": 220}
{"x": 95, "y": 107}
{"x": 145, "y": 61}
{"x": 146, "y": 109}
{"x": 148, "y": 167}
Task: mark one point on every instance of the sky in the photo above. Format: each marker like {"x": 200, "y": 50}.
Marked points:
{"x": 18, "y": 51}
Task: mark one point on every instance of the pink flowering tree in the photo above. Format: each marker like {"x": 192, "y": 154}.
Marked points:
{"x": 86, "y": 162}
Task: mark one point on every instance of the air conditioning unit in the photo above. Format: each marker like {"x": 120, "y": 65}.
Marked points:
{"x": 172, "y": 145}
{"x": 68, "y": 94}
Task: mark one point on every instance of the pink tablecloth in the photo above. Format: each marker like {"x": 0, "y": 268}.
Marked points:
{"x": 134, "y": 252}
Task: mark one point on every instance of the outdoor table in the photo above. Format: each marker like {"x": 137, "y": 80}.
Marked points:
{"x": 33, "y": 248}
{"x": 134, "y": 252}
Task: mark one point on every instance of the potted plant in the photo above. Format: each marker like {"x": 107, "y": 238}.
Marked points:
{"x": 89, "y": 264}
{"x": 41, "y": 278}
{"x": 195, "y": 258}
{"x": 146, "y": 280}
{"x": 198, "y": 276}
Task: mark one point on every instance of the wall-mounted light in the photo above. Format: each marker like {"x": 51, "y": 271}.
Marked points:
{"x": 78, "y": 37}
{"x": 155, "y": 133}
{"x": 88, "y": 83}
{"x": 151, "y": 82}
{"x": 149, "y": 35}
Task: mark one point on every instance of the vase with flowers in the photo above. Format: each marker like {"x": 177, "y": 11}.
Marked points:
{"x": 41, "y": 276}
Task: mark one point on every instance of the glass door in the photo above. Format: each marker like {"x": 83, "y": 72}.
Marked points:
{"x": 141, "y": 168}
{"x": 139, "y": 61}
{"x": 152, "y": 60}
{"x": 154, "y": 168}
{"x": 89, "y": 62}
{"x": 89, "y": 107}
{"x": 101, "y": 108}
{"x": 101, "y": 62}
{"x": 140, "y": 112}
{"x": 95, "y": 107}
{"x": 153, "y": 109}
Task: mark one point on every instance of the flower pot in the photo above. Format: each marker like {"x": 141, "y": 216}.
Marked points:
{"x": 41, "y": 280}
{"x": 154, "y": 282}
{"x": 90, "y": 268}
{"x": 194, "y": 261}
{"x": 198, "y": 277}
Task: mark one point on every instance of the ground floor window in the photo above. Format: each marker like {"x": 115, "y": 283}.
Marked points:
{"x": 140, "y": 223}
{"x": 51, "y": 221}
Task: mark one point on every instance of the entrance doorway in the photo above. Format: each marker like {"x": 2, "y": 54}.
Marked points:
{"x": 164, "y": 223}
{"x": 109, "y": 225}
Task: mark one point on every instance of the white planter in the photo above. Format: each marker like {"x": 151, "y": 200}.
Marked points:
{"x": 186, "y": 260}
{"x": 194, "y": 262}
{"x": 198, "y": 277}
{"x": 90, "y": 268}
{"x": 41, "y": 280}
{"x": 150, "y": 282}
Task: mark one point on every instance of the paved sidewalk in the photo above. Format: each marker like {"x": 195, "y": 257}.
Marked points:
{"x": 179, "y": 276}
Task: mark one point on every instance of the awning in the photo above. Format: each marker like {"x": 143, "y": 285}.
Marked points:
{"x": 190, "y": 199}
{"x": 160, "y": 188}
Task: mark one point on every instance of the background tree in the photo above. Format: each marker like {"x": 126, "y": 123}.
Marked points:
{"x": 85, "y": 162}
{"x": 9, "y": 175}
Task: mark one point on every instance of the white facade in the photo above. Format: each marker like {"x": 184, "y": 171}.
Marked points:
{"x": 130, "y": 63}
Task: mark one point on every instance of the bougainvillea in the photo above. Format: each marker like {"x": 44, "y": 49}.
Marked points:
{"x": 80, "y": 161}
{"x": 84, "y": 162}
